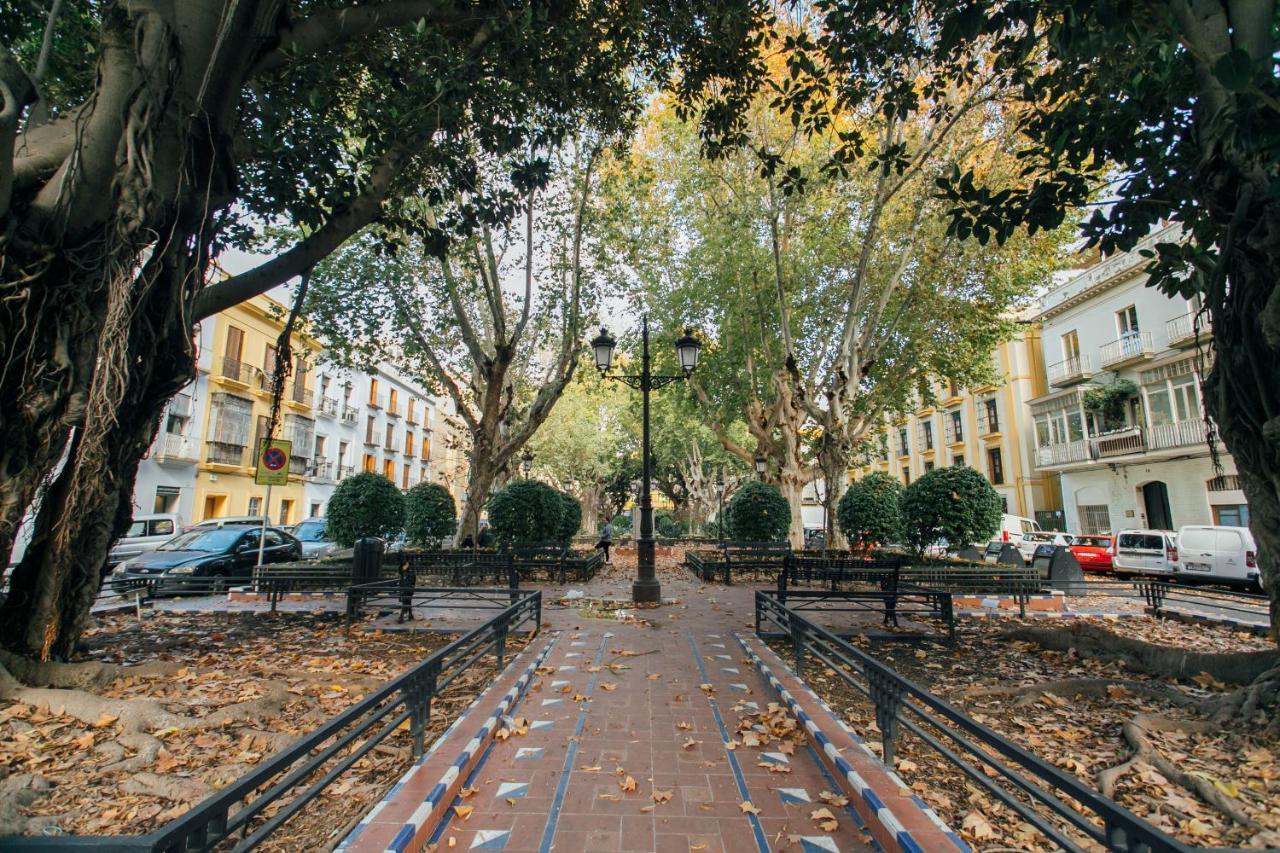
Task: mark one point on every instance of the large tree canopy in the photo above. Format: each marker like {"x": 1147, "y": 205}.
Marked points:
{"x": 126, "y": 166}
{"x": 1169, "y": 110}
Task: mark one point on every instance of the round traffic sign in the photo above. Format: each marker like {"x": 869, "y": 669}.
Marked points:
{"x": 274, "y": 459}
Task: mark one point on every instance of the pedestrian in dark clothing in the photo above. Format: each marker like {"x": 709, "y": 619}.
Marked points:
{"x": 606, "y": 539}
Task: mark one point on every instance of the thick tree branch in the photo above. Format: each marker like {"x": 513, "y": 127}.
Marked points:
{"x": 332, "y": 27}
{"x": 443, "y": 375}
{"x": 363, "y": 210}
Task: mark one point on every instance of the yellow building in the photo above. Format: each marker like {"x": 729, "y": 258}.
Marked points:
{"x": 988, "y": 428}
{"x": 241, "y": 366}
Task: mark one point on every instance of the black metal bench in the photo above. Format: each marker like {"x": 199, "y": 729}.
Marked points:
{"x": 760, "y": 559}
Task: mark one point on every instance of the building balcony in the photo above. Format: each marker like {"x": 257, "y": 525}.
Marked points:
{"x": 321, "y": 469}
{"x": 988, "y": 426}
{"x": 1121, "y": 442}
{"x": 1063, "y": 454}
{"x": 1182, "y": 330}
{"x": 1187, "y": 433}
{"x": 299, "y": 466}
{"x": 349, "y": 414}
{"x": 235, "y": 372}
{"x": 180, "y": 405}
{"x": 1071, "y": 371}
{"x": 299, "y": 393}
{"x": 170, "y": 448}
{"x": 1127, "y": 350}
{"x": 328, "y": 407}
{"x": 373, "y": 439}
{"x": 345, "y": 471}
{"x": 393, "y": 411}
{"x": 221, "y": 453}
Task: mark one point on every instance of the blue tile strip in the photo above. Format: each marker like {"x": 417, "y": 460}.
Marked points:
{"x": 483, "y": 735}
{"x": 557, "y": 802}
{"x": 857, "y": 784}
{"x": 761, "y": 843}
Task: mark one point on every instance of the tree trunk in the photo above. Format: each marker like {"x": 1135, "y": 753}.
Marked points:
{"x": 791, "y": 483}
{"x": 480, "y": 479}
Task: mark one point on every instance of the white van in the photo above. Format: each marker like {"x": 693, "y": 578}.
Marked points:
{"x": 1219, "y": 554}
{"x": 1013, "y": 527}
{"x": 1144, "y": 552}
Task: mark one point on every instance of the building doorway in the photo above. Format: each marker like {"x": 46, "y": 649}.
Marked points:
{"x": 1155, "y": 497}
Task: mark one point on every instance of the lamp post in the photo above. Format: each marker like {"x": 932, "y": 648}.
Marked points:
{"x": 526, "y": 463}
{"x": 645, "y": 588}
{"x": 762, "y": 465}
{"x": 720, "y": 513}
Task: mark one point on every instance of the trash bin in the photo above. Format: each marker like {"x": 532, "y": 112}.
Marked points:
{"x": 1059, "y": 567}
{"x": 366, "y": 565}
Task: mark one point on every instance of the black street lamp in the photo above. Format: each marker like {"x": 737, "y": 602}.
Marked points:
{"x": 526, "y": 463}
{"x": 645, "y": 588}
{"x": 762, "y": 465}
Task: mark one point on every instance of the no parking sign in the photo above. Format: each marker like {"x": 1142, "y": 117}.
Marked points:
{"x": 273, "y": 462}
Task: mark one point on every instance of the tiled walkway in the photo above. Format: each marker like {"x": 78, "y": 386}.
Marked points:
{"x": 625, "y": 744}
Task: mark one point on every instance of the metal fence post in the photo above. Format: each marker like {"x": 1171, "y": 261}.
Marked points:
{"x": 418, "y": 695}
{"x": 513, "y": 578}
{"x": 886, "y": 694}
{"x": 797, "y": 644}
{"x": 782, "y": 580}
{"x": 406, "y": 592}
{"x": 500, "y": 643}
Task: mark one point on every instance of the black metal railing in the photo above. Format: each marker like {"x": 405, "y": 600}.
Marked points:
{"x": 1059, "y": 805}
{"x": 246, "y": 812}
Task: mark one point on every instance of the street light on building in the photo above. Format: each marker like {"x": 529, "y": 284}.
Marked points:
{"x": 646, "y": 587}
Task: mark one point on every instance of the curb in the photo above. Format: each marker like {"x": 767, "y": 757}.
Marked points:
{"x": 415, "y": 831}
{"x": 884, "y": 824}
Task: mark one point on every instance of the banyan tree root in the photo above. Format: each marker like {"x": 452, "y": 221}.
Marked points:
{"x": 1136, "y": 731}
{"x": 1093, "y": 688}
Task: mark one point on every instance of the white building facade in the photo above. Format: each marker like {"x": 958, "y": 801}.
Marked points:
{"x": 1123, "y": 420}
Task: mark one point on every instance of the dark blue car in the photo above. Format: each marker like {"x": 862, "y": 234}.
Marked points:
{"x": 206, "y": 560}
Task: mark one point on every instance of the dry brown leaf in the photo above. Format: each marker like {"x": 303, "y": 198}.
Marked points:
{"x": 690, "y": 743}
{"x": 608, "y": 686}
{"x": 463, "y": 812}
{"x": 662, "y": 796}
{"x": 747, "y": 808}
{"x": 683, "y": 726}
{"x": 468, "y": 791}
{"x": 977, "y": 826}
{"x": 628, "y": 784}
{"x": 105, "y": 720}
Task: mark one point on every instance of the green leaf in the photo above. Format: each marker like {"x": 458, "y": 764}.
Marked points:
{"x": 1234, "y": 70}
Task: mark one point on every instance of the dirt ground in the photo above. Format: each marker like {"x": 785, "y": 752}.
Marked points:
{"x": 216, "y": 696}
{"x": 1081, "y": 730}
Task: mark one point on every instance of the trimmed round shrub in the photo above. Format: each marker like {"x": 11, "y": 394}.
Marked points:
{"x": 366, "y": 504}
{"x": 870, "y": 512}
{"x": 954, "y": 503}
{"x": 570, "y": 517}
{"x": 758, "y": 512}
{"x": 525, "y": 512}
{"x": 430, "y": 515}
{"x": 666, "y": 525}
{"x": 621, "y": 524}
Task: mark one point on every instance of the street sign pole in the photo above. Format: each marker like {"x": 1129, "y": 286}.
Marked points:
{"x": 272, "y": 469}
{"x": 262, "y": 534}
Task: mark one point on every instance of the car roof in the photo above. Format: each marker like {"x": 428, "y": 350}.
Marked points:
{"x": 1147, "y": 531}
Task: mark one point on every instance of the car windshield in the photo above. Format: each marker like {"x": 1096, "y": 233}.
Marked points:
{"x": 211, "y": 541}
{"x": 310, "y": 531}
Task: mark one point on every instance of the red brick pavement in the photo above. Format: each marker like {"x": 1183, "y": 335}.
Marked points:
{"x": 557, "y": 787}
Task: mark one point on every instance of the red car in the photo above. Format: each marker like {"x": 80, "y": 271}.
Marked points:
{"x": 1093, "y": 553}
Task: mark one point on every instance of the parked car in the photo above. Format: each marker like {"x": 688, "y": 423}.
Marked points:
{"x": 315, "y": 541}
{"x": 208, "y": 559}
{"x": 815, "y": 539}
{"x": 1093, "y": 553}
{"x": 238, "y": 520}
{"x": 145, "y": 533}
{"x": 1030, "y": 541}
{"x": 1218, "y": 554}
{"x": 1014, "y": 527}
{"x": 1144, "y": 552}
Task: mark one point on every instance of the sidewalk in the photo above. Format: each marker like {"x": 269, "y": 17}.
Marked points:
{"x": 624, "y": 744}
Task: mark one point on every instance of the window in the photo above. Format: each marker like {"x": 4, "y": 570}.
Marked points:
{"x": 1070, "y": 346}
{"x": 373, "y": 392}
{"x": 391, "y": 438}
{"x": 1127, "y": 321}
{"x": 1004, "y": 504}
{"x": 389, "y": 470}
{"x": 990, "y": 415}
{"x": 269, "y": 361}
{"x": 426, "y": 446}
{"x": 1231, "y": 515}
{"x": 1094, "y": 518}
{"x": 342, "y": 452}
{"x": 1174, "y": 400}
{"x": 319, "y": 454}
{"x": 404, "y": 477}
{"x": 408, "y": 443}
{"x": 928, "y": 466}
{"x": 956, "y": 422}
{"x": 1225, "y": 483}
{"x": 906, "y": 476}
{"x": 1059, "y": 427}
{"x": 324, "y": 386}
{"x": 273, "y": 539}
{"x": 255, "y": 506}
{"x": 315, "y": 509}
{"x": 995, "y": 465}
{"x": 953, "y": 390}
{"x": 235, "y": 344}
{"x": 409, "y": 413}
{"x": 368, "y": 430}
{"x": 369, "y": 464}
{"x": 958, "y": 460}
{"x": 903, "y": 447}
{"x": 166, "y": 501}
{"x": 391, "y": 407}
{"x": 926, "y": 432}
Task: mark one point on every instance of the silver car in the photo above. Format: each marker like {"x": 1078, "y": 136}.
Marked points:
{"x": 315, "y": 542}
{"x": 145, "y": 533}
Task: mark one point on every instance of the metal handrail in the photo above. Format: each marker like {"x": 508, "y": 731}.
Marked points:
{"x": 899, "y": 701}
{"x": 407, "y": 697}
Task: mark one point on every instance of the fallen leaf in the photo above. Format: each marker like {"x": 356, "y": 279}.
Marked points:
{"x": 467, "y": 792}
{"x": 977, "y": 826}
{"x": 747, "y": 808}
{"x": 105, "y": 720}
{"x": 608, "y": 686}
{"x": 662, "y": 796}
{"x": 690, "y": 743}
{"x": 628, "y": 784}
{"x": 463, "y": 812}
{"x": 683, "y": 726}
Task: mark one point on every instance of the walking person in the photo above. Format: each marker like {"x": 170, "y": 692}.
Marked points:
{"x": 606, "y": 539}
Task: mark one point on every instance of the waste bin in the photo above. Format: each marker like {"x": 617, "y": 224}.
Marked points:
{"x": 366, "y": 565}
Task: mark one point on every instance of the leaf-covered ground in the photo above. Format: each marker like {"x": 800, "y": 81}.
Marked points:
{"x": 97, "y": 778}
{"x": 985, "y": 675}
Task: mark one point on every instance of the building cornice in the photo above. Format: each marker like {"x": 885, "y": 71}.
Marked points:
{"x": 1105, "y": 275}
